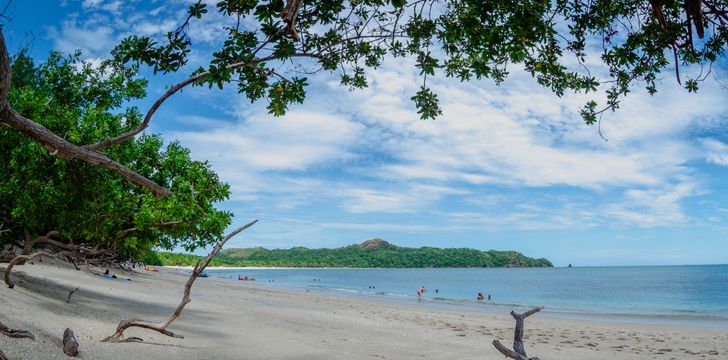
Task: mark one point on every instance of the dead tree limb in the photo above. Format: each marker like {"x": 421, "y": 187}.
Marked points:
{"x": 23, "y": 258}
{"x": 518, "y": 352}
{"x": 69, "y": 295}
{"x": 161, "y": 327}
{"x": 15, "y": 333}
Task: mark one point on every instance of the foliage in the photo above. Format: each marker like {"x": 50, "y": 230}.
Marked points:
{"x": 462, "y": 39}
{"x": 84, "y": 103}
{"x": 361, "y": 256}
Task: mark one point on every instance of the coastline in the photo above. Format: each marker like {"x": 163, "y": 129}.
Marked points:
{"x": 336, "y": 283}
{"x": 233, "y": 320}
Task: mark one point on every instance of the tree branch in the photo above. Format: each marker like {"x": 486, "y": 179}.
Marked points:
{"x": 289, "y": 15}
{"x": 63, "y": 149}
{"x": 130, "y": 231}
{"x": 162, "y": 326}
{"x": 23, "y": 258}
{"x": 15, "y": 333}
{"x": 56, "y": 145}
{"x": 518, "y": 352}
{"x": 177, "y": 87}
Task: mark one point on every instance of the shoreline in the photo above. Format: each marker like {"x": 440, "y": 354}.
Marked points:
{"x": 457, "y": 304}
{"x": 234, "y": 320}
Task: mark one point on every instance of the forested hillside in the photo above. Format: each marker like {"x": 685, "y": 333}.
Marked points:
{"x": 374, "y": 253}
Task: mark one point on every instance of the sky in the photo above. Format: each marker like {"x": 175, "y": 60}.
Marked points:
{"x": 509, "y": 167}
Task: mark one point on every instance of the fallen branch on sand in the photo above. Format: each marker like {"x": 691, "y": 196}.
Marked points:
{"x": 162, "y": 326}
{"x": 518, "y": 352}
{"x": 15, "y": 333}
{"x": 69, "y": 295}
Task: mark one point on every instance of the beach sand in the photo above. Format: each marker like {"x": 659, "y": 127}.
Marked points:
{"x": 240, "y": 320}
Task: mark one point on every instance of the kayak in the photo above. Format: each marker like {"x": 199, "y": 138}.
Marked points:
{"x": 245, "y": 278}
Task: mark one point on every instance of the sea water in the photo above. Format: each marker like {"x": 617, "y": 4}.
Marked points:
{"x": 674, "y": 292}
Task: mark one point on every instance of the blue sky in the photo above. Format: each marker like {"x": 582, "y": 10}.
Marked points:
{"x": 509, "y": 167}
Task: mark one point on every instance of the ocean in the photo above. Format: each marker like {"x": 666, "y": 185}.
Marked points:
{"x": 682, "y": 294}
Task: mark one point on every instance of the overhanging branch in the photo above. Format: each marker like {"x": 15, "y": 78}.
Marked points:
{"x": 56, "y": 145}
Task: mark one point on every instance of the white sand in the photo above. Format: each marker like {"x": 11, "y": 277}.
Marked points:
{"x": 231, "y": 320}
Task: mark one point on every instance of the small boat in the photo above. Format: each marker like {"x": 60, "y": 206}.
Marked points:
{"x": 245, "y": 278}
{"x": 203, "y": 275}
{"x": 151, "y": 270}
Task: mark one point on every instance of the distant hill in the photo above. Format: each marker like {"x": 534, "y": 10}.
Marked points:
{"x": 374, "y": 253}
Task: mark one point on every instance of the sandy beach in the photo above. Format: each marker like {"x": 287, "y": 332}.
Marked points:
{"x": 231, "y": 320}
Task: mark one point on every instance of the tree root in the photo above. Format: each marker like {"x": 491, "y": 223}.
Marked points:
{"x": 518, "y": 352}
{"x": 54, "y": 248}
{"x": 23, "y": 258}
{"x": 161, "y": 327}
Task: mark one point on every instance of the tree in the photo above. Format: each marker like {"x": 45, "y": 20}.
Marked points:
{"x": 83, "y": 204}
{"x": 463, "y": 39}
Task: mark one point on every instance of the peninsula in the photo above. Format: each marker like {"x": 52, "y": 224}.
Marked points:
{"x": 374, "y": 253}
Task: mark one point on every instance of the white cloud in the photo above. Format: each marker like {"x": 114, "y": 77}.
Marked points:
{"x": 255, "y": 153}
{"x": 517, "y": 136}
{"x": 261, "y": 142}
{"x": 91, "y": 38}
{"x": 403, "y": 198}
{"x": 654, "y": 207}
{"x": 112, "y": 6}
{"x": 716, "y": 151}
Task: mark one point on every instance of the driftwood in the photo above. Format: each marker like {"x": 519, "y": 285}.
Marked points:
{"x": 16, "y": 333}
{"x": 518, "y": 352}
{"x": 23, "y": 258}
{"x": 69, "y": 295}
{"x": 161, "y": 327}
{"x": 70, "y": 345}
{"x": 51, "y": 246}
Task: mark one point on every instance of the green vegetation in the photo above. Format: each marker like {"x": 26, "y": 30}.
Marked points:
{"x": 40, "y": 192}
{"x": 563, "y": 44}
{"x": 375, "y": 253}
{"x": 66, "y": 122}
